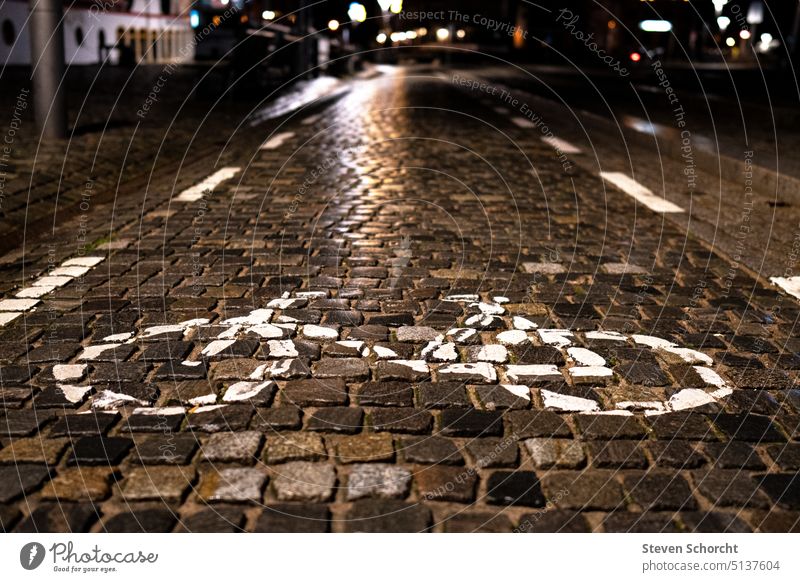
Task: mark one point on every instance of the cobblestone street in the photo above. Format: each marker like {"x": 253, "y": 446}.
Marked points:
{"x": 400, "y": 309}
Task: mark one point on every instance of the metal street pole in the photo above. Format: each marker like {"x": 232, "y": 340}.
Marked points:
{"x": 47, "y": 62}
{"x": 795, "y": 31}
{"x": 302, "y": 45}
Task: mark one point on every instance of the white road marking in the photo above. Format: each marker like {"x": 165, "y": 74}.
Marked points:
{"x": 197, "y": 191}
{"x": 561, "y": 145}
{"x": 8, "y": 317}
{"x": 94, "y": 352}
{"x": 18, "y": 304}
{"x": 83, "y": 262}
{"x": 567, "y": 403}
{"x": 585, "y": 357}
{"x": 789, "y": 284}
{"x": 519, "y": 390}
{"x": 640, "y": 193}
{"x": 33, "y": 292}
{"x": 311, "y": 119}
{"x": 522, "y": 122}
{"x": 277, "y": 140}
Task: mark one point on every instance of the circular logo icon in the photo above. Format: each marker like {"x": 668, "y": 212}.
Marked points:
{"x": 31, "y": 555}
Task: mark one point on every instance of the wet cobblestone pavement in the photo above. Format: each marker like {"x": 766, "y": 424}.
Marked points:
{"x": 402, "y": 313}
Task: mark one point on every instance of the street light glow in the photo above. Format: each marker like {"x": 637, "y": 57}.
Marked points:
{"x": 461, "y": 33}
{"x": 744, "y": 34}
{"x": 723, "y": 22}
{"x": 333, "y": 25}
{"x": 357, "y": 12}
{"x": 730, "y": 41}
{"x": 268, "y": 15}
{"x": 384, "y": 4}
{"x": 381, "y": 38}
{"x": 442, "y": 34}
{"x": 655, "y": 25}
{"x": 396, "y": 6}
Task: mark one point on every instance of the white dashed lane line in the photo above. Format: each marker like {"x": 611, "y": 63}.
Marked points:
{"x": 561, "y": 145}
{"x": 277, "y": 140}
{"x": 522, "y": 122}
{"x": 28, "y": 297}
{"x": 640, "y": 192}
{"x": 789, "y": 284}
{"x": 311, "y": 119}
{"x": 196, "y": 192}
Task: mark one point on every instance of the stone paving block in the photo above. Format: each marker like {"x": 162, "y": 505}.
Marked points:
{"x": 230, "y": 447}
{"x": 475, "y": 522}
{"x": 140, "y": 520}
{"x": 550, "y": 520}
{"x": 561, "y": 453}
{"x": 387, "y": 515}
{"x": 430, "y": 450}
{"x": 294, "y": 518}
{"x": 214, "y": 520}
{"x": 786, "y": 456}
{"x": 154, "y": 420}
{"x": 678, "y": 454}
{"x": 274, "y": 419}
{"x": 470, "y": 422}
{"x": 99, "y": 451}
{"x": 617, "y": 454}
{"x": 353, "y": 369}
{"x": 83, "y": 424}
{"x": 20, "y": 479}
{"x": 59, "y": 518}
{"x": 8, "y": 517}
{"x": 729, "y": 488}
{"x": 441, "y": 395}
{"x": 233, "y": 485}
{"x": 223, "y": 417}
{"x": 783, "y": 489}
{"x": 537, "y": 423}
{"x": 442, "y": 483}
{"x": 584, "y": 490}
{"x": 650, "y": 522}
{"x": 658, "y": 491}
{"x": 166, "y": 449}
{"x": 503, "y": 397}
{"x": 294, "y": 446}
{"x": 343, "y": 420}
{"x": 34, "y": 450}
{"x": 330, "y": 392}
{"x": 80, "y": 484}
{"x": 733, "y": 455}
{"x": 400, "y": 420}
{"x": 603, "y": 427}
{"x": 493, "y": 452}
{"x": 302, "y": 481}
{"x": 713, "y": 522}
{"x": 514, "y": 488}
{"x": 396, "y": 394}
{"x": 167, "y": 484}
{"x": 748, "y": 427}
{"x": 377, "y": 480}
{"x": 364, "y": 448}
{"x": 681, "y": 425}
